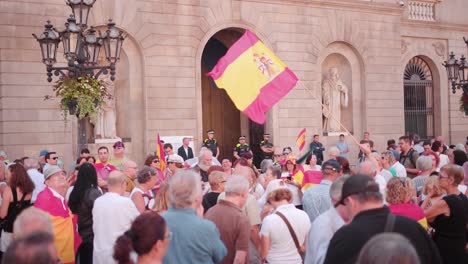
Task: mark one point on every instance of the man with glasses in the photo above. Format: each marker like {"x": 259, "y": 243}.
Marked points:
{"x": 316, "y": 199}
{"x": 361, "y": 197}
{"x": 51, "y": 159}
{"x": 52, "y": 201}
{"x": 118, "y": 159}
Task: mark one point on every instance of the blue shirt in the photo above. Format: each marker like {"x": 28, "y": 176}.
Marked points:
{"x": 317, "y": 199}
{"x": 194, "y": 240}
{"x": 342, "y": 146}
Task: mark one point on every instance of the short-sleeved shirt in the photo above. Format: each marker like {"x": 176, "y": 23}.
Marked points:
{"x": 233, "y": 226}
{"x": 283, "y": 249}
{"x": 251, "y": 209}
{"x": 241, "y": 149}
{"x": 211, "y": 144}
{"x": 409, "y": 161}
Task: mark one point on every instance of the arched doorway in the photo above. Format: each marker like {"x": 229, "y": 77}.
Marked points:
{"x": 218, "y": 110}
{"x": 419, "y": 98}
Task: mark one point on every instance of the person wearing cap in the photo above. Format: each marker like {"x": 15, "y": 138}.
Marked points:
{"x": 52, "y": 201}
{"x": 241, "y": 147}
{"x": 185, "y": 151}
{"x": 118, "y": 159}
{"x": 211, "y": 143}
{"x": 267, "y": 147}
{"x": 362, "y": 198}
{"x": 42, "y": 160}
{"x": 51, "y": 159}
{"x": 325, "y": 225}
{"x": 317, "y": 148}
{"x": 174, "y": 164}
{"x": 316, "y": 199}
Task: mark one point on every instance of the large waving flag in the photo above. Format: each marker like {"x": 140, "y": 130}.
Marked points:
{"x": 253, "y": 77}
{"x": 161, "y": 154}
{"x": 301, "y": 139}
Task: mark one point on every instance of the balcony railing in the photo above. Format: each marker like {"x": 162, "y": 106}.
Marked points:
{"x": 422, "y": 10}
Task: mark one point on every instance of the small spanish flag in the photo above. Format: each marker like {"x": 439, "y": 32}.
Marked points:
{"x": 301, "y": 139}
{"x": 253, "y": 77}
{"x": 161, "y": 155}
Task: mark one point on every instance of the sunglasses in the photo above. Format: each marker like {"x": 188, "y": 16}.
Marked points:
{"x": 55, "y": 158}
{"x": 155, "y": 161}
{"x": 118, "y": 147}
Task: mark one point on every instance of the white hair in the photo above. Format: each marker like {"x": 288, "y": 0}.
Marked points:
{"x": 236, "y": 184}
{"x": 31, "y": 164}
{"x": 336, "y": 187}
{"x": 3, "y": 153}
{"x": 184, "y": 188}
{"x": 334, "y": 149}
{"x": 424, "y": 163}
{"x": 32, "y": 220}
{"x": 203, "y": 152}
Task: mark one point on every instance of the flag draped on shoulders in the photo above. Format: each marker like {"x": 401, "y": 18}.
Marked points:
{"x": 66, "y": 237}
{"x": 253, "y": 77}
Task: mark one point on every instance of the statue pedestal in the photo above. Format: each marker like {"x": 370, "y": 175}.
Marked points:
{"x": 335, "y": 134}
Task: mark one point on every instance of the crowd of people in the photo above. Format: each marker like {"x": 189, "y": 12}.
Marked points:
{"x": 406, "y": 203}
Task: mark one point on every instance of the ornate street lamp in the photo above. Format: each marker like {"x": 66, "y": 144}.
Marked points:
{"x": 81, "y": 49}
{"x": 457, "y": 71}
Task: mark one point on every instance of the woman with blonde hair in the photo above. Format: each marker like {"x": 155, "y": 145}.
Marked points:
{"x": 161, "y": 203}
{"x": 432, "y": 191}
{"x": 400, "y": 193}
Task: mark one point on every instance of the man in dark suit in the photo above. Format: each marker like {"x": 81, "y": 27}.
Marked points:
{"x": 185, "y": 151}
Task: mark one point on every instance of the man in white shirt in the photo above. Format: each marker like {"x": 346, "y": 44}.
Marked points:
{"x": 112, "y": 216}
{"x": 370, "y": 169}
{"x": 31, "y": 166}
{"x": 397, "y": 166}
{"x": 325, "y": 226}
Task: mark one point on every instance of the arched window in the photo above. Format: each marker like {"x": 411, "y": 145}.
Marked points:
{"x": 419, "y": 98}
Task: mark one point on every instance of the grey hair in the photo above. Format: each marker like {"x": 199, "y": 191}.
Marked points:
{"x": 115, "y": 178}
{"x": 184, "y": 188}
{"x": 3, "y": 153}
{"x": 203, "y": 152}
{"x": 388, "y": 248}
{"x": 275, "y": 171}
{"x": 31, "y": 164}
{"x": 236, "y": 184}
{"x": 265, "y": 164}
{"x": 32, "y": 220}
{"x": 337, "y": 186}
{"x": 424, "y": 163}
{"x": 334, "y": 149}
{"x": 461, "y": 147}
{"x": 145, "y": 174}
{"x": 372, "y": 165}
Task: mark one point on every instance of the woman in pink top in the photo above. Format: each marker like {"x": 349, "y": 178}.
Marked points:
{"x": 400, "y": 193}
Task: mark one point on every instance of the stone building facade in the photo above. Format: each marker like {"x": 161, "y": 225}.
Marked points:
{"x": 161, "y": 86}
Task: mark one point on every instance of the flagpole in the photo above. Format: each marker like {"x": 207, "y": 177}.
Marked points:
{"x": 331, "y": 114}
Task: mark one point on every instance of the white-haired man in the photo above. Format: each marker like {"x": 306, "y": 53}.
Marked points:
{"x": 233, "y": 225}
{"x": 325, "y": 225}
{"x": 31, "y": 166}
{"x": 194, "y": 240}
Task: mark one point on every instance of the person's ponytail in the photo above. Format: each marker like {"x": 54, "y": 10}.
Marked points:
{"x": 123, "y": 247}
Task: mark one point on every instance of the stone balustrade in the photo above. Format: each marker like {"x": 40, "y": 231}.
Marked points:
{"x": 422, "y": 10}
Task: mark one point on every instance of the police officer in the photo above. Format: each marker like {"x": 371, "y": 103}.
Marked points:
{"x": 211, "y": 143}
{"x": 241, "y": 148}
{"x": 267, "y": 147}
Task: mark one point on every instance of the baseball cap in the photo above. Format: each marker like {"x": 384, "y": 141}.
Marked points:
{"x": 51, "y": 170}
{"x": 119, "y": 144}
{"x": 357, "y": 184}
{"x": 175, "y": 158}
{"x": 211, "y": 131}
{"x": 241, "y": 137}
{"x": 43, "y": 152}
{"x": 331, "y": 164}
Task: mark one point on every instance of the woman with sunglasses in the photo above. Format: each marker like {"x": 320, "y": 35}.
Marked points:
{"x": 142, "y": 195}
{"x": 449, "y": 217}
{"x": 148, "y": 236}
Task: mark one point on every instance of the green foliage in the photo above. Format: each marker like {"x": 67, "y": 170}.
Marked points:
{"x": 86, "y": 93}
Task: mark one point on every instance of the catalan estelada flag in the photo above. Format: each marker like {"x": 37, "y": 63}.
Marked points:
{"x": 161, "y": 155}
{"x": 301, "y": 139}
{"x": 253, "y": 77}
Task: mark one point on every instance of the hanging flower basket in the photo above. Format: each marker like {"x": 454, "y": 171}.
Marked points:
{"x": 80, "y": 96}
{"x": 464, "y": 103}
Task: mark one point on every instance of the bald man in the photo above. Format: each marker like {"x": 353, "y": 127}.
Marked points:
{"x": 130, "y": 170}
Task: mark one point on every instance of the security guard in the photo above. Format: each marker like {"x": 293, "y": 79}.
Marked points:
{"x": 267, "y": 147}
{"x": 211, "y": 143}
{"x": 241, "y": 147}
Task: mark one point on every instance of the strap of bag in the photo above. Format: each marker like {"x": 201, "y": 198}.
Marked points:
{"x": 390, "y": 223}
{"x": 291, "y": 231}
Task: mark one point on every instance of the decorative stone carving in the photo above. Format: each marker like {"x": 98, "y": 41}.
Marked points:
{"x": 439, "y": 48}
{"x": 105, "y": 121}
{"x": 334, "y": 96}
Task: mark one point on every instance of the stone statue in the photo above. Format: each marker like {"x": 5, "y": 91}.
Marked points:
{"x": 334, "y": 96}
{"x": 105, "y": 121}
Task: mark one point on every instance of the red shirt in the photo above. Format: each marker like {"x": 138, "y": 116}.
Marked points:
{"x": 103, "y": 170}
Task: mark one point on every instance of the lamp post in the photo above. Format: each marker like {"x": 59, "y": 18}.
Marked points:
{"x": 457, "y": 71}
{"x": 81, "y": 49}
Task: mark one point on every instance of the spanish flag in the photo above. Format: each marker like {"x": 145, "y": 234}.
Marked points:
{"x": 161, "y": 155}
{"x": 301, "y": 139}
{"x": 253, "y": 77}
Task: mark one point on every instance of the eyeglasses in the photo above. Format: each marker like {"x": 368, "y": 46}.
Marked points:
{"x": 55, "y": 158}
{"x": 223, "y": 181}
{"x": 277, "y": 155}
{"x": 155, "y": 161}
{"x": 328, "y": 168}
{"x": 443, "y": 177}
{"x": 118, "y": 147}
